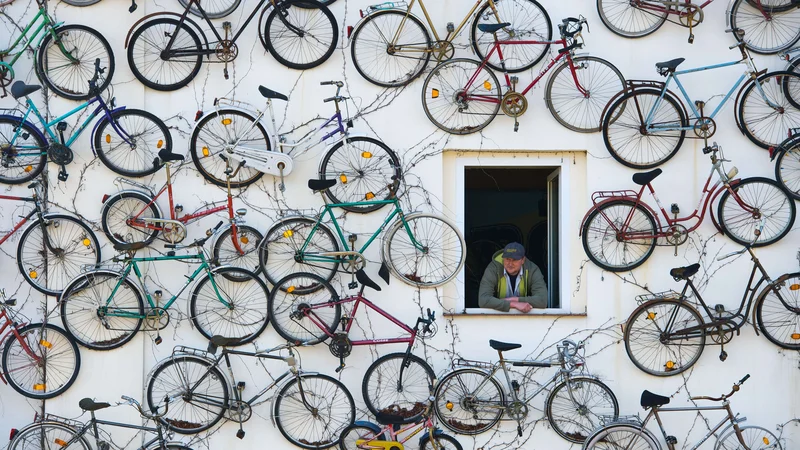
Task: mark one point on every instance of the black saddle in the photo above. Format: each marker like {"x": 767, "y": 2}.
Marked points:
{"x": 667, "y": 67}
{"x": 649, "y": 400}
{"x": 503, "y": 346}
{"x": 221, "y": 341}
{"x": 362, "y": 278}
{"x": 20, "y": 89}
{"x": 684, "y": 273}
{"x": 391, "y": 419}
{"x": 492, "y": 27}
{"x": 88, "y": 404}
{"x": 646, "y": 177}
{"x": 130, "y": 246}
{"x": 321, "y": 185}
{"x": 166, "y": 155}
{"x": 269, "y": 93}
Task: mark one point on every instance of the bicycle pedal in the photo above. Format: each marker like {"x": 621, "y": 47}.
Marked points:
{"x": 723, "y": 355}
{"x": 719, "y": 308}
{"x": 672, "y": 440}
{"x": 240, "y": 385}
{"x": 157, "y": 294}
{"x": 225, "y": 72}
{"x": 103, "y": 446}
{"x": 240, "y": 434}
{"x": 352, "y": 285}
{"x": 451, "y": 27}
{"x": 352, "y": 237}
{"x": 691, "y": 39}
{"x": 157, "y": 340}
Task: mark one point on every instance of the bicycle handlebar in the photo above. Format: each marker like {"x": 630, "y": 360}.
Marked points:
{"x": 138, "y": 406}
{"x": 97, "y": 72}
{"x": 757, "y": 232}
{"x": 197, "y": 242}
{"x": 332, "y": 83}
{"x": 734, "y": 389}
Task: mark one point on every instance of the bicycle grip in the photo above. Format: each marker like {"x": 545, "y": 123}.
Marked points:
{"x": 127, "y": 399}
{"x": 329, "y": 100}
{"x": 223, "y": 157}
{"x": 218, "y": 225}
{"x": 744, "y": 379}
{"x": 170, "y": 245}
{"x": 327, "y": 83}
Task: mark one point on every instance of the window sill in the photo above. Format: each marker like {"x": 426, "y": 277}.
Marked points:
{"x": 549, "y": 313}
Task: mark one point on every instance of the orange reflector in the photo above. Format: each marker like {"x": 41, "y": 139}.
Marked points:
{"x": 670, "y": 365}
{"x": 108, "y": 138}
{"x": 487, "y": 85}
{"x": 449, "y": 406}
{"x": 87, "y": 242}
{"x": 28, "y": 168}
{"x": 343, "y": 178}
{"x": 366, "y": 155}
{"x": 288, "y": 233}
{"x": 369, "y": 196}
{"x": 795, "y": 336}
{"x": 33, "y": 274}
{"x": 765, "y": 440}
{"x": 290, "y": 290}
{"x": 45, "y": 344}
{"x": 160, "y": 143}
{"x": 205, "y": 151}
{"x": 226, "y": 121}
{"x": 434, "y": 93}
{"x": 244, "y": 240}
{"x": 60, "y": 442}
{"x": 651, "y": 316}
{"x": 38, "y": 387}
{"x": 794, "y": 287}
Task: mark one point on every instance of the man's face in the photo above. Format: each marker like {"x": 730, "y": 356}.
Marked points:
{"x": 512, "y": 265}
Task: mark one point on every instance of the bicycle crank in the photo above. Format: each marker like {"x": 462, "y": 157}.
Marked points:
{"x": 172, "y": 231}
{"x": 514, "y": 104}
{"x": 265, "y": 162}
{"x": 352, "y": 261}
{"x": 238, "y": 411}
{"x": 340, "y": 345}
{"x": 517, "y": 410}
{"x": 704, "y": 127}
{"x": 156, "y": 319}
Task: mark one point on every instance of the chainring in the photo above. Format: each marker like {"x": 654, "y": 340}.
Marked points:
{"x": 690, "y": 16}
{"x": 705, "y": 127}
{"x": 60, "y": 154}
{"x": 340, "y": 346}
{"x": 677, "y": 235}
{"x": 6, "y": 75}
{"x": 517, "y": 410}
{"x": 443, "y": 51}
{"x": 173, "y": 234}
{"x": 226, "y": 51}
{"x": 156, "y": 319}
{"x": 238, "y": 411}
{"x": 722, "y": 336}
{"x": 514, "y": 104}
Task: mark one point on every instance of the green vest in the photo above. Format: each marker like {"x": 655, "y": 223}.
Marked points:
{"x": 502, "y": 285}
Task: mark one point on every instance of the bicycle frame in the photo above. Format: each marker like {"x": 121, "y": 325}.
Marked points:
{"x": 24, "y": 220}
{"x": 13, "y": 333}
{"x": 501, "y": 365}
{"x": 90, "y": 428}
{"x": 46, "y": 22}
{"x": 730, "y": 417}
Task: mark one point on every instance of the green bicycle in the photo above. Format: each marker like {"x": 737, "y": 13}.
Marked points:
{"x": 103, "y": 309}
{"x": 423, "y": 250}
{"x": 65, "y": 55}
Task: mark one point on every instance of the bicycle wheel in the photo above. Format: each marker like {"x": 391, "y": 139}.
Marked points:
{"x": 386, "y": 393}
{"x": 242, "y": 316}
{"x": 625, "y": 18}
{"x": 778, "y": 311}
{"x": 787, "y": 168}
{"x": 575, "y": 407}
{"x": 22, "y": 158}
{"x": 53, "y": 251}
{"x": 147, "y": 45}
{"x": 98, "y": 319}
{"x": 442, "y": 442}
{"x": 226, "y": 254}
{"x": 293, "y": 304}
{"x": 764, "y": 124}
{"x": 617, "y": 436}
{"x": 51, "y": 366}
{"x": 365, "y": 169}
{"x": 123, "y": 218}
{"x": 197, "y": 390}
{"x": 215, "y": 135}
{"x": 65, "y": 64}
{"x": 467, "y": 404}
{"x": 764, "y": 199}
{"x": 581, "y": 111}
{"x": 354, "y": 433}
{"x": 42, "y": 436}
{"x": 755, "y": 438}
{"x": 636, "y": 145}
{"x": 304, "y": 36}
{"x": 790, "y": 86}
{"x": 424, "y": 250}
{"x": 387, "y": 55}
{"x": 279, "y": 251}
{"x": 214, "y": 9}
{"x": 132, "y": 152}
{"x": 529, "y": 22}
{"x": 664, "y": 337}
{"x": 312, "y": 411}
{"x": 454, "y": 104}
{"x": 608, "y": 249}
{"x": 767, "y": 29}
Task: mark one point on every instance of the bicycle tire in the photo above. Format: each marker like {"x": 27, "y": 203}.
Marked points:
{"x": 791, "y": 89}
{"x": 48, "y": 53}
{"x": 147, "y": 70}
{"x": 75, "y": 246}
{"x": 242, "y": 291}
{"x": 81, "y": 3}
{"x": 356, "y": 432}
{"x": 610, "y": 13}
{"x": 290, "y": 321}
{"x": 777, "y": 301}
{"x": 766, "y": 195}
{"x": 283, "y": 242}
{"x": 451, "y": 443}
{"x": 755, "y": 438}
{"x": 675, "y": 362}
{"x": 787, "y": 167}
{"x": 601, "y": 81}
{"x": 444, "y": 244}
{"x": 225, "y": 253}
{"x": 380, "y": 386}
{"x": 180, "y": 378}
{"x": 538, "y": 28}
{"x": 351, "y": 162}
{"x": 135, "y": 160}
{"x": 393, "y": 70}
{"x": 445, "y": 107}
{"x": 58, "y": 352}
{"x": 456, "y": 389}
{"x": 21, "y": 170}
{"x": 122, "y": 207}
{"x": 275, "y": 37}
{"x": 762, "y": 124}
{"x": 319, "y": 394}
{"x": 101, "y": 338}
{"x": 32, "y": 436}
{"x": 780, "y": 31}
{"x": 616, "y": 436}
{"x": 210, "y": 138}
{"x": 628, "y": 120}
{"x": 217, "y": 9}
{"x": 588, "y": 414}
{"x": 597, "y": 228}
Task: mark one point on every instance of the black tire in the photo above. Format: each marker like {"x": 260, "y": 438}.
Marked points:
{"x": 597, "y": 228}
{"x": 215, "y": 9}
{"x": 518, "y": 58}
{"x": 466, "y": 416}
{"x": 122, "y": 207}
{"x": 762, "y": 35}
{"x": 276, "y": 33}
{"x": 81, "y": 3}
{"x": 443, "y": 442}
{"x": 225, "y": 253}
{"x": 59, "y": 353}
{"x": 787, "y": 167}
{"x": 159, "y": 32}
{"x": 612, "y": 10}
{"x": 764, "y": 125}
{"x": 772, "y": 202}
{"x": 32, "y": 436}
{"x": 328, "y": 421}
{"x": 618, "y": 435}
{"x": 365, "y": 172}
{"x": 46, "y": 270}
{"x": 291, "y": 322}
{"x": 16, "y": 168}
{"x": 354, "y": 433}
{"x": 380, "y": 391}
{"x": 183, "y": 378}
{"x": 149, "y": 136}
{"x": 778, "y": 311}
{"x": 73, "y": 84}
{"x": 587, "y": 414}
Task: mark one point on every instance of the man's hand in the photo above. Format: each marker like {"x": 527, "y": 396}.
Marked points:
{"x": 519, "y": 306}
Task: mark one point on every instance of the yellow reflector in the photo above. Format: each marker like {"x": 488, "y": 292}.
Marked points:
{"x": 244, "y": 240}
{"x": 369, "y": 196}
{"x": 794, "y": 287}
{"x": 160, "y": 143}
{"x": 28, "y": 168}
{"x": 38, "y": 387}
{"x": 795, "y": 336}
{"x": 60, "y": 442}
{"x": 765, "y": 440}
{"x": 343, "y": 178}
{"x": 449, "y": 406}
{"x": 366, "y": 155}
{"x": 46, "y": 344}
{"x": 651, "y": 315}
{"x": 670, "y": 365}
{"x": 205, "y": 151}
{"x": 226, "y": 121}
{"x": 288, "y": 233}
{"x": 487, "y": 85}
{"x": 86, "y": 242}
{"x": 290, "y": 290}
{"x": 108, "y": 138}
{"x": 33, "y": 274}
{"x": 434, "y": 93}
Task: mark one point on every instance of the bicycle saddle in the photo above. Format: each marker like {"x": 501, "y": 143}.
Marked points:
{"x": 492, "y": 27}
{"x": 669, "y": 66}
{"x": 20, "y": 89}
{"x": 166, "y": 155}
{"x": 124, "y": 247}
{"x": 362, "y": 278}
{"x": 503, "y": 346}
{"x": 222, "y": 341}
{"x": 649, "y": 400}
{"x": 269, "y": 93}
{"x": 646, "y": 177}
{"x": 88, "y": 404}
{"x": 320, "y": 185}
{"x": 684, "y": 273}
{"x": 392, "y": 419}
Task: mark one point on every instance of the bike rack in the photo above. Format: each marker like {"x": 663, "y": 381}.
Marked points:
{"x": 47, "y": 417}
{"x": 183, "y": 350}
{"x": 665, "y": 295}
{"x": 599, "y": 196}
{"x": 461, "y": 362}
{"x": 120, "y": 181}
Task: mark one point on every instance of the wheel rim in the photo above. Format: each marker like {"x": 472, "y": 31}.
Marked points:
{"x": 529, "y": 22}
{"x": 136, "y": 151}
{"x": 644, "y": 334}
{"x": 146, "y": 54}
{"x": 24, "y": 157}
{"x": 763, "y": 35}
{"x": 764, "y": 123}
{"x": 284, "y": 307}
{"x": 779, "y": 313}
{"x": 623, "y": 18}
{"x": 121, "y": 215}
{"x": 444, "y": 85}
{"x": 244, "y": 316}
{"x": 430, "y": 256}
{"x": 331, "y": 403}
{"x": 218, "y": 135}
{"x": 764, "y": 200}
{"x": 410, "y": 400}
{"x": 363, "y": 171}
{"x": 70, "y": 77}
{"x": 374, "y": 57}
{"x": 58, "y": 360}
{"x": 581, "y": 111}
{"x": 282, "y": 246}
{"x": 473, "y": 417}
{"x": 576, "y": 420}
{"x": 604, "y": 245}
{"x": 310, "y": 46}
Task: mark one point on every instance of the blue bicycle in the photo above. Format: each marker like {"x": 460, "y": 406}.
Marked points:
{"x": 125, "y": 140}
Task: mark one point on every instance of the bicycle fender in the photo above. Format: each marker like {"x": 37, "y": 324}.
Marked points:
{"x": 39, "y": 133}
{"x": 187, "y": 20}
{"x": 280, "y": 386}
{"x": 786, "y": 145}
{"x": 712, "y": 201}
{"x": 368, "y": 14}
{"x": 764, "y": 292}
{"x": 336, "y": 142}
{"x": 133, "y": 191}
{"x": 370, "y": 425}
{"x": 625, "y": 424}
{"x": 613, "y": 199}
{"x": 97, "y": 125}
{"x": 426, "y": 435}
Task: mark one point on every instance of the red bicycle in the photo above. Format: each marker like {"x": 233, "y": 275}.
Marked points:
{"x": 462, "y": 96}
{"x": 620, "y": 231}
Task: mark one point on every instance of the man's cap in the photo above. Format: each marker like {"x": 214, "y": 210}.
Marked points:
{"x": 514, "y": 250}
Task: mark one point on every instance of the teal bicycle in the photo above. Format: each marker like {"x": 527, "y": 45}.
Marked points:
{"x": 423, "y": 250}
{"x": 103, "y": 309}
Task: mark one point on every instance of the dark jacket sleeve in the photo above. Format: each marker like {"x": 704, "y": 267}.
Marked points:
{"x": 538, "y": 297}
{"x": 486, "y": 298}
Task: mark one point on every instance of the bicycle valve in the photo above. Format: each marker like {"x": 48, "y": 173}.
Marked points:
{"x": 281, "y": 166}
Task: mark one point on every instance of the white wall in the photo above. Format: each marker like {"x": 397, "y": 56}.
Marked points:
{"x": 769, "y": 399}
